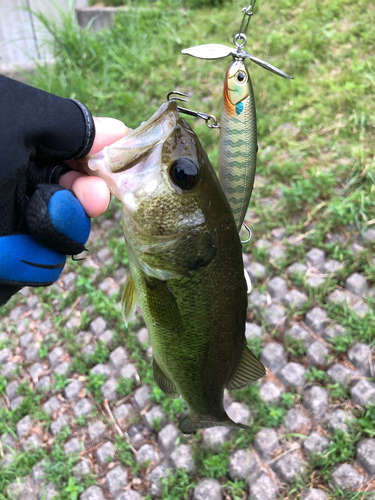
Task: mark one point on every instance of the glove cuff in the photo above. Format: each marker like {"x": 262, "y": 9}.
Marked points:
{"x": 90, "y": 131}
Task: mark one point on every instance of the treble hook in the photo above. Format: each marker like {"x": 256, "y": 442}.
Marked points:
{"x": 190, "y": 112}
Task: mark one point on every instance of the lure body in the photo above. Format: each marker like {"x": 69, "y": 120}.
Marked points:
{"x": 238, "y": 140}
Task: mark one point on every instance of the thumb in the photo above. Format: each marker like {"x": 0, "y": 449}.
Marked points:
{"x": 107, "y": 131}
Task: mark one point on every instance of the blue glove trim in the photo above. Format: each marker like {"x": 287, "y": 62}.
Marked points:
{"x": 68, "y": 216}
{"x": 24, "y": 261}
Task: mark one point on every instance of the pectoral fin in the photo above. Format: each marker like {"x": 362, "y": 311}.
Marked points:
{"x": 129, "y": 299}
{"x": 162, "y": 305}
{"x": 164, "y": 382}
{"x": 249, "y": 369}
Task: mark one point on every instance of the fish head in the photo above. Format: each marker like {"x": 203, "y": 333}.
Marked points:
{"x": 237, "y": 86}
{"x": 174, "y": 211}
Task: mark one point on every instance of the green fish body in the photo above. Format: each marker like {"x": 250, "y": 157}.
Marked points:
{"x": 186, "y": 265}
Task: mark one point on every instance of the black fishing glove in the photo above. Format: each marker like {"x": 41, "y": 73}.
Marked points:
{"x": 40, "y": 222}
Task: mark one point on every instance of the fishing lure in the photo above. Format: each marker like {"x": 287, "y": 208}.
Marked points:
{"x": 238, "y": 137}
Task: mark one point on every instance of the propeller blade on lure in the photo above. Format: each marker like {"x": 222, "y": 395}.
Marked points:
{"x": 238, "y": 137}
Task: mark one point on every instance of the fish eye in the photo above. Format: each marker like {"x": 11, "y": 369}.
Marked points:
{"x": 184, "y": 173}
{"x": 241, "y": 77}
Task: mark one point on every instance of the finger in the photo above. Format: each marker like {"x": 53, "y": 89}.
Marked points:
{"x": 107, "y": 131}
{"x": 92, "y": 192}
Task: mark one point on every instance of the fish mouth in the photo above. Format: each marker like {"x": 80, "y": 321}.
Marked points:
{"x": 44, "y": 266}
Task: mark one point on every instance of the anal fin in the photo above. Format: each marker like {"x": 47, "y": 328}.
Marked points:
{"x": 164, "y": 382}
{"x": 129, "y": 299}
{"x": 249, "y": 369}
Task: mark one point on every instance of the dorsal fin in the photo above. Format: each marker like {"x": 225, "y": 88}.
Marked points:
{"x": 249, "y": 369}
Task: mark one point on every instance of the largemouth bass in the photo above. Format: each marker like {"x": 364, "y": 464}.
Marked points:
{"x": 186, "y": 265}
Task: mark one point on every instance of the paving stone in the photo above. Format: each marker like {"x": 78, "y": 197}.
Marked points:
{"x": 147, "y": 453}
{"x": 296, "y": 268}
{"x": 96, "y": 430}
{"x": 116, "y": 479}
{"x": 101, "y": 370}
{"x": 109, "y": 389}
{"x": 80, "y": 470}
{"x": 92, "y": 493}
{"x": 316, "y": 257}
{"x": 130, "y": 495}
{"x": 270, "y": 392}
{"x": 124, "y": 415}
{"x": 276, "y": 253}
{"x": 16, "y": 402}
{"x": 118, "y": 357}
{"x": 315, "y": 444}
{"x": 11, "y": 390}
{"x": 44, "y": 384}
{"x": 36, "y": 370}
{"x": 242, "y": 464}
{"x": 105, "y": 453}
{"x": 129, "y": 371}
{"x": 366, "y": 455}
{"x": 9, "y": 370}
{"x": 294, "y": 299}
{"x": 317, "y": 354}
{"x": 107, "y": 338}
{"x": 239, "y": 413}
{"x": 31, "y": 353}
{"x": 154, "y": 477}
{"x": 360, "y": 308}
{"x": 363, "y": 393}
{"x": 357, "y": 284}
{"x": 59, "y": 424}
{"x": 317, "y": 319}
{"x": 142, "y": 336}
{"x": 314, "y": 494}
{"x": 26, "y": 339}
{"x": 296, "y": 421}
{"x": 21, "y": 489}
{"x": 265, "y": 443}
{"x": 83, "y": 407}
{"x": 332, "y": 266}
{"x": 338, "y": 297}
{"x": 52, "y": 405}
{"x": 315, "y": 281}
{"x": 98, "y": 326}
{"x": 347, "y": 478}
{"x": 256, "y": 272}
{"x": 89, "y": 350}
{"x": 31, "y": 443}
{"x": 73, "y": 446}
{"x": 38, "y": 472}
{"x": 5, "y": 354}
{"x": 181, "y": 458}
{"x": 252, "y": 331}
{"x": 299, "y": 334}
{"x": 288, "y": 467}
{"x": 156, "y": 415}
{"x": 63, "y": 368}
{"x": 167, "y": 439}
{"x": 264, "y": 488}
{"x": 339, "y": 373}
{"x": 273, "y": 357}
{"x": 274, "y": 317}
{"x": 315, "y": 399}
{"x": 292, "y": 375}
{"x": 72, "y": 390}
{"x": 8, "y": 443}
{"x": 215, "y": 437}
{"x": 55, "y": 355}
{"x": 48, "y": 492}
{"x": 277, "y": 288}
{"x": 278, "y": 233}
{"x": 142, "y": 396}
{"x": 336, "y": 420}
{"x": 333, "y": 331}
{"x": 24, "y": 426}
{"x": 257, "y": 300}
{"x": 369, "y": 235}
{"x": 208, "y": 489}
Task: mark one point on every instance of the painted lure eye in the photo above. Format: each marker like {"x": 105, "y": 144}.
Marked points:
{"x": 241, "y": 77}
{"x": 184, "y": 173}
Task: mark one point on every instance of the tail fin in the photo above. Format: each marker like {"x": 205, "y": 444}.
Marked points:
{"x": 191, "y": 423}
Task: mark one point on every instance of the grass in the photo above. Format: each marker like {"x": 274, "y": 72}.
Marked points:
{"x": 315, "y": 147}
